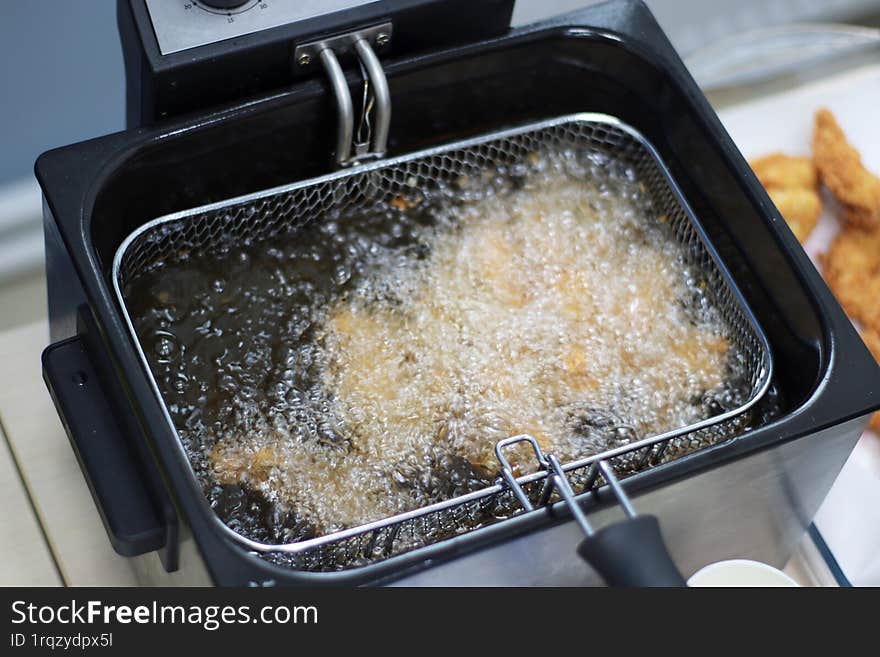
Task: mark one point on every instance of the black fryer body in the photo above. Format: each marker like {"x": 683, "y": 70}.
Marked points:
{"x": 762, "y": 487}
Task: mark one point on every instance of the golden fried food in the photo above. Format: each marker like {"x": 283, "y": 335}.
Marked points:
{"x": 872, "y": 339}
{"x": 793, "y": 185}
{"x": 800, "y": 207}
{"x": 548, "y": 312}
{"x": 287, "y": 477}
{"x": 852, "y": 269}
{"x": 840, "y": 168}
{"x": 859, "y": 217}
{"x": 403, "y": 203}
{"x": 482, "y": 364}
{"x": 785, "y": 171}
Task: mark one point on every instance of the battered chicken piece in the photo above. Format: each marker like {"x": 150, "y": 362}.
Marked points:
{"x": 852, "y": 269}
{"x": 484, "y": 325}
{"x": 359, "y": 333}
{"x": 284, "y": 473}
{"x": 704, "y": 356}
{"x": 577, "y": 371}
{"x": 243, "y": 466}
{"x": 793, "y": 185}
{"x": 799, "y": 207}
{"x": 859, "y": 217}
{"x": 494, "y": 266}
{"x": 841, "y": 169}
{"x": 547, "y": 312}
{"x": 872, "y": 339}
{"x": 786, "y": 171}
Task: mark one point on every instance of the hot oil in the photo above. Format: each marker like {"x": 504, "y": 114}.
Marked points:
{"x": 366, "y": 365}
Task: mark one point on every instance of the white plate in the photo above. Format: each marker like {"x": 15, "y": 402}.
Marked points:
{"x": 849, "y": 519}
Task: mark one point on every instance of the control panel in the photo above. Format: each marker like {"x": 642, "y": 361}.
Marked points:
{"x": 183, "y": 24}
{"x": 187, "y": 55}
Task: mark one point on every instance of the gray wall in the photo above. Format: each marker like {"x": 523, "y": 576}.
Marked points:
{"x": 61, "y": 71}
{"x": 61, "y": 77}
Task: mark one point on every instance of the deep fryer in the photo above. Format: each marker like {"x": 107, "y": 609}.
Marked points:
{"x": 611, "y": 59}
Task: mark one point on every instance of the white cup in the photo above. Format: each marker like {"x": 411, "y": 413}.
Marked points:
{"x": 740, "y": 572}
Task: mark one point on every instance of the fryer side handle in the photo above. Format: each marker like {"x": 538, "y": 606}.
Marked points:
{"x": 127, "y": 507}
{"x": 632, "y": 553}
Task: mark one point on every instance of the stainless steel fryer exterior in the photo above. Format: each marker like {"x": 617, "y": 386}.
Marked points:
{"x": 757, "y": 507}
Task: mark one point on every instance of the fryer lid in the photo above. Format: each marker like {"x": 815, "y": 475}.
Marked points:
{"x": 266, "y": 214}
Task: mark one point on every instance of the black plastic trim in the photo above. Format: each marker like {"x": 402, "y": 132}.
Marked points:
{"x": 127, "y": 509}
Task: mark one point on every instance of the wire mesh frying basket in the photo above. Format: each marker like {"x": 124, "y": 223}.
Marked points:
{"x": 275, "y": 212}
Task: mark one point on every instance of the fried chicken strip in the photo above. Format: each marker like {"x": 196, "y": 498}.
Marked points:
{"x": 786, "y": 171}
{"x": 840, "y": 168}
{"x": 793, "y": 185}
{"x": 852, "y": 269}
{"x": 799, "y": 207}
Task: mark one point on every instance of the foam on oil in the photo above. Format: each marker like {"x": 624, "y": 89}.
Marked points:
{"x": 366, "y": 365}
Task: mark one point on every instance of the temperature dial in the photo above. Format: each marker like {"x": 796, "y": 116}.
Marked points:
{"x": 224, "y": 4}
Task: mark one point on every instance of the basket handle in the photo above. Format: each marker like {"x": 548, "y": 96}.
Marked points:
{"x": 628, "y": 553}
{"x": 631, "y": 553}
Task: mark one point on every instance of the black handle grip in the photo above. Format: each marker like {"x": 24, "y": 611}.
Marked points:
{"x": 132, "y": 520}
{"x": 631, "y": 553}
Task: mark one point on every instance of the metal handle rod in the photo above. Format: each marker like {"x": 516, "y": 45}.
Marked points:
{"x": 556, "y": 479}
{"x": 345, "y": 115}
{"x": 564, "y": 488}
{"x": 381, "y": 93}
{"x": 617, "y": 489}
{"x": 507, "y": 470}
